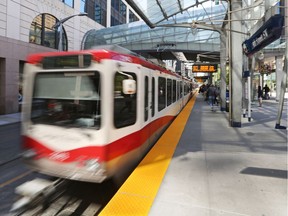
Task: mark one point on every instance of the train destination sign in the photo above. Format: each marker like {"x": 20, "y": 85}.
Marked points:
{"x": 204, "y": 68}
{"x": 266, "y": 34}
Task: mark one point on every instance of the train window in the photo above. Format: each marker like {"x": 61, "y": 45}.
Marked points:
{"x": 146, "y": 105}
{"x": 169, "y": 92}
{"x": 67, "y": 99}
{"x": 161, "y": 93}
{"x": 174, "y": 91}
{"x": 124, "y": 104}
{"x": 153, "y": 97}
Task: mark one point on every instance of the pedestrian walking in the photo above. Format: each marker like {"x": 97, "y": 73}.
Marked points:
{"x": 211, "y": 94}
{"x": 260, "y": 95}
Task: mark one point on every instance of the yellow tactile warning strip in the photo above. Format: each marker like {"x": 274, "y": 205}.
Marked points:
{"x": 135, "y": 197}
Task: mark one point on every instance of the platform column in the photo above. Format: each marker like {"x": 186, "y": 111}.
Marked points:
{"x": 279, "y": 75}
{"x": 236, "y": 62}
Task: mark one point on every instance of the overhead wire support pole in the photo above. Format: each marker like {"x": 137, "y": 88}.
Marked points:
{"x": 59, "y": 26}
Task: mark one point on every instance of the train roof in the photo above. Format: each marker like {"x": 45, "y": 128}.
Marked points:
{"x": 100, "y": 53}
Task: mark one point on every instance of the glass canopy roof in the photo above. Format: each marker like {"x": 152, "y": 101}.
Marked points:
{"x": 176, "y": 30}
{"x": 169, "y": 27}
{"x": 158, "y": 12}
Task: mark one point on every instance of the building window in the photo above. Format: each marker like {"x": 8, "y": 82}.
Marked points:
{"x": 69, "y": 3}
{"x": 96, "y": 10}
{"x": 123, "y": 8}
{"x": 132, "y": 17}
{"x": 118, "y": 12}
{"x": 43, "y": 33}
{"x": 115, "y": 4}
{"x": 82, "y": 6}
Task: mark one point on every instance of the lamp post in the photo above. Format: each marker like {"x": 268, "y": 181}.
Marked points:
{"x": 59, "y": 27}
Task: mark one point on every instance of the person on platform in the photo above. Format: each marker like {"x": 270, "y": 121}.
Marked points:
{"x": 260, "y": 95}
{"x": 211, "y": 94}
{"x": 266, "y": 91}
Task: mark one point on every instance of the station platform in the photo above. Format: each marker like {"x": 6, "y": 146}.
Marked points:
{"x": 201, "y": 166}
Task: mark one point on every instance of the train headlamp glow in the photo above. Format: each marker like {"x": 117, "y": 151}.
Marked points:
{"x": 92, "y": 164}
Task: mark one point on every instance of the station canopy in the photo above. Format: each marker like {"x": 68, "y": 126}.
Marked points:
{"x": 174, "y": 29}
{"x": 169, "y": 29}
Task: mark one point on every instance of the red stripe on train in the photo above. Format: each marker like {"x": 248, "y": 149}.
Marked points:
{"x": 102, "y": 153}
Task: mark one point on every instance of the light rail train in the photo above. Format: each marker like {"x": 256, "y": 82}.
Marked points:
{"x": 89, "y": 114}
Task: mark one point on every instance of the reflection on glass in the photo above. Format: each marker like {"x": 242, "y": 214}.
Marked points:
{"x": 67, "y": 99}
{"x": 46, "y": 35}
{"x": 125, "y": 105}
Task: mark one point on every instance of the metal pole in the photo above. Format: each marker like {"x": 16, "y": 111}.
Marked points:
{"x": 250, "y": 86}
{"x": 60, "y": 45}
{"x": 249, "y": 96}
{"x": 59, "y": 27}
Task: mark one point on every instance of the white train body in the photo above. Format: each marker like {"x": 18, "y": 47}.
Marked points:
{"x": 78, "y": 124}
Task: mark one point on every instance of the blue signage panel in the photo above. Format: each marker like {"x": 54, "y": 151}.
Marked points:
{"x": 266, "y": 34}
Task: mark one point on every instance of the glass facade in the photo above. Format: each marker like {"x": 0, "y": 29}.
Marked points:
{"x": 132, "y": 17}
{"x": 96, "y": 10}
{"x": 118, "y": 12}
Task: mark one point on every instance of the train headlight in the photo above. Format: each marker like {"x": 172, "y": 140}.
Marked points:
{"x": 92, "y": 164}
{"x": 29, "y": 154}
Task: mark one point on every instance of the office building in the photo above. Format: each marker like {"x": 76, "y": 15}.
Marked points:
{"x": 27, "y": 26}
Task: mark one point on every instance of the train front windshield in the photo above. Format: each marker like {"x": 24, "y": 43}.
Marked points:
{"x": 68, "y": 99}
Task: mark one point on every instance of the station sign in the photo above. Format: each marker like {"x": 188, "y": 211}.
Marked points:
{"x": 266, "y": 34}
{"x": 204, "y": 68}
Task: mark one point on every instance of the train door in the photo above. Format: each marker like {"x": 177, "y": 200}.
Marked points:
{"x": 149, "y": 105}
{"x": 179, "y": 94}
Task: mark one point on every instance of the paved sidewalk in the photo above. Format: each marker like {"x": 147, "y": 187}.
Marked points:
{"x": 220, "y": 170}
